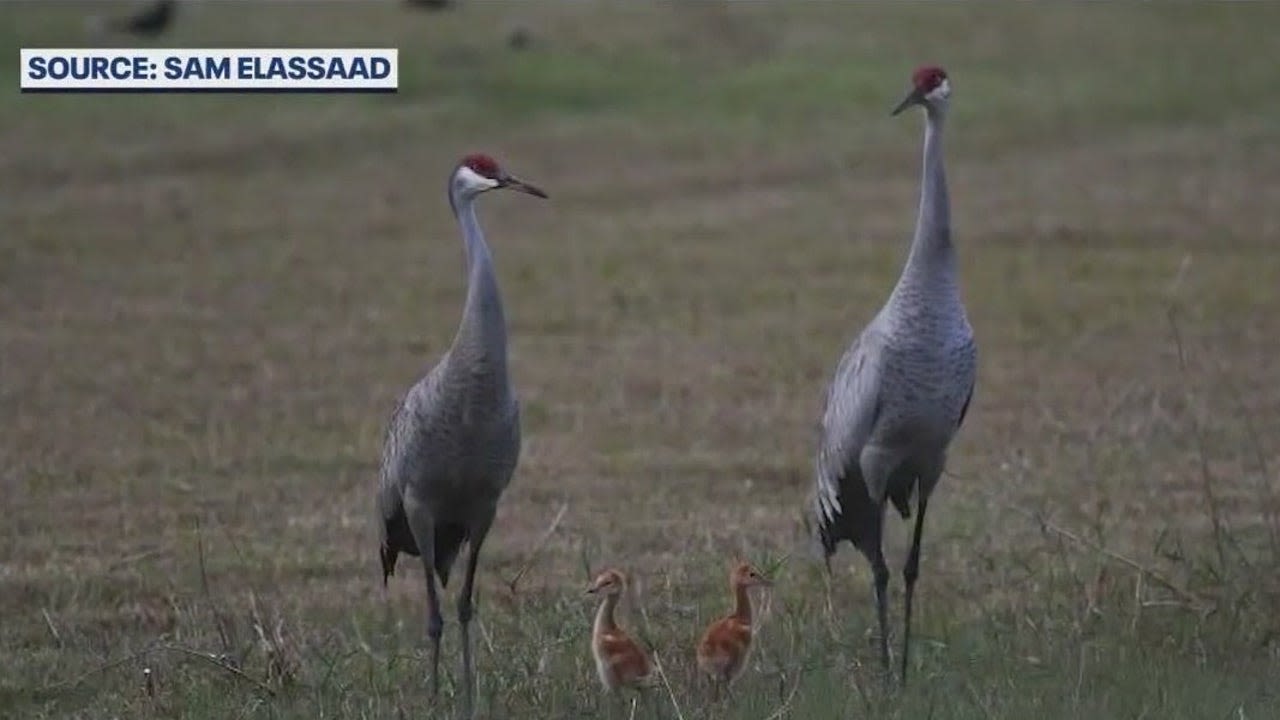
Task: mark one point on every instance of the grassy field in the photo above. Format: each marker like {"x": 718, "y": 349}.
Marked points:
{"x": 209, "y": 305}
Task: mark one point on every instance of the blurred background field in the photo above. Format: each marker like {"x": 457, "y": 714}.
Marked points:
{"x": 209, "y": 305}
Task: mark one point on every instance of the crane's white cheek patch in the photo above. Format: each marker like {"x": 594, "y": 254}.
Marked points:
{"x": 942, "y": 92}
{"x": 473, "y": 180}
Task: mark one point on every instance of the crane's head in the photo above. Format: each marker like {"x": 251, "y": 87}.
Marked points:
{"x": 929, "y": 87}
{"x": 609, "y": 582}
{"x": 478, "y": 173}
{"x": 746, "y": 575}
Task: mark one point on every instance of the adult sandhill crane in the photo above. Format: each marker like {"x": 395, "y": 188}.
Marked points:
{"x": 454, "y": 440}
{"x": 902, "y": 389}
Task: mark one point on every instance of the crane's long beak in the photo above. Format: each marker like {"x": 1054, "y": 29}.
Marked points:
{"x": 915, "y": 97}
{"x": 514, "y": 183}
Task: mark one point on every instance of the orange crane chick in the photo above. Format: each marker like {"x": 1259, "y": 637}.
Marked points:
{"x": 726, "y": 645}
{"x": 619, "y": 659}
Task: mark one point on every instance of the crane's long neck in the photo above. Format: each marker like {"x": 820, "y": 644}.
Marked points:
{"x": 930, "y": 270}
{"x": 741, "y": 604}
{"x": 482, "y": 335}
{"x": 604, "y": 616}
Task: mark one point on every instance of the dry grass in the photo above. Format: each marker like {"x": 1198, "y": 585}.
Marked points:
{"x": 210, "y": 305}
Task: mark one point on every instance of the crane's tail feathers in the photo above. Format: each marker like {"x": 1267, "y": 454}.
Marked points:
{"x": 396, "y": 536}
{"x": 825, "y": 536}
{"x": 825, "y": 541}
{"x": 816, "y": 540}
{"x": 388, "y": 555}
{"x": 826, "y": 518}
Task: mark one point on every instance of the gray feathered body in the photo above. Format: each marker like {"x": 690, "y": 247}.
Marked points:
{"x": 901, "y": 390}
{"x": 454, "y": 440}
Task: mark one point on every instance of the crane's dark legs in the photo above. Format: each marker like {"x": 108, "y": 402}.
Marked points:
{"x": 465, "y": 612}
{"x": 880, "y": 579}
{"x": 422, "y": 527}
{"x": 869, "y": 540}
{"x": 910, "y": 572}
{"x": 435, "y": 625}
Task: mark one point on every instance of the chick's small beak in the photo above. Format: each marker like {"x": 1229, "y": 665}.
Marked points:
{"x": 514, "y": 183}
{"x": 915, "y": 97}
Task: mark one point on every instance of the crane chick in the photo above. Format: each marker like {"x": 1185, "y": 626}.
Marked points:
{"x": 726, "y": 645}
{"x": 620, "y": 661}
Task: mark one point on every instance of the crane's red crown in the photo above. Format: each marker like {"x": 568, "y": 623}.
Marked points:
{"x": 928, "y": 77}
{"x": 482, "y": 165}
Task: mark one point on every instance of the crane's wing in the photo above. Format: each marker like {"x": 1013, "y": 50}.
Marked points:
{"x": 403, "y": 457}
{"x": 848, "y": 417}
{"x": 401, "y": 454}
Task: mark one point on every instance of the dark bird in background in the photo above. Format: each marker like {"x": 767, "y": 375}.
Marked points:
{"x": 519, "y": 38}
{"x": 430, "y": 4}
{"x": 148, "y": 22}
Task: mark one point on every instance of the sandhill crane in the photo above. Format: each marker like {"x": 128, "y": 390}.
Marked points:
{"x": 620, "y": 661}
{"x": 902, "y": 389}
{"x": 454, "y": 440}
{"x": 725, "y": 646}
